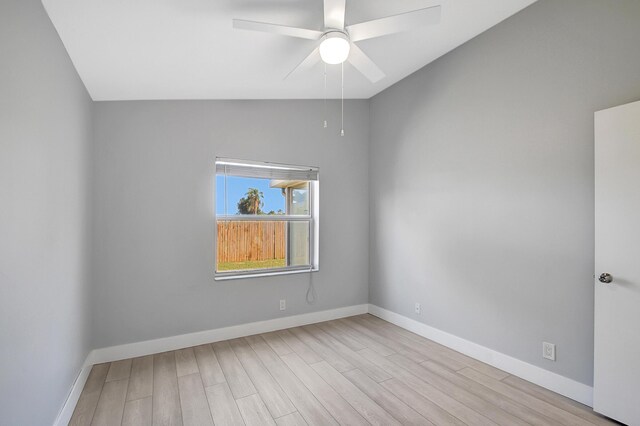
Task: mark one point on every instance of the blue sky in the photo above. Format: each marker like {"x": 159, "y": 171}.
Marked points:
{"x": 237, "y": 187}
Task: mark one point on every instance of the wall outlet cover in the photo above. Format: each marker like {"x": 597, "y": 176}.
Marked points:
{"x": 283, "y": 304}
{"x": 418, "y": 309}
{"x": 549, "y": 351}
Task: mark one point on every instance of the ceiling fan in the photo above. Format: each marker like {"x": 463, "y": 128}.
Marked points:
{"x": 337, "y": 41}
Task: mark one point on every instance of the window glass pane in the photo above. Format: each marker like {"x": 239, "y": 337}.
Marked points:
{"x": 299, "y": 243}
{"x": 299, "y": 200}
{"x": 248, "y": 196}
{"x": 250, "y": 245}
{"x": 258, "y": 196}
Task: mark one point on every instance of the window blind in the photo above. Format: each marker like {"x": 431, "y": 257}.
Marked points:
{"x": 256, "y": 169}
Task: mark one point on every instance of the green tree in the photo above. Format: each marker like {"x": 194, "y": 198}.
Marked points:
{"x": 252, "y": 202}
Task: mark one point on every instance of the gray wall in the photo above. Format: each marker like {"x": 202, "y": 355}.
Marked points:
{"x": 154, "y": 225}
{"x": 45, "y": 134}
{"x": 482, "y": 180}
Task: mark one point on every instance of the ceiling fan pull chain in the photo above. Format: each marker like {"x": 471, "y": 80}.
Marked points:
{"x": 342, "y": 98}
{"x": 325, "y": 95}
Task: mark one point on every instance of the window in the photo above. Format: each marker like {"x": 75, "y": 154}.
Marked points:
{"x": 266, "y": 218}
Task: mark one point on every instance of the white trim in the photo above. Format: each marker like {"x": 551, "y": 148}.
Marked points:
{"x": 263, "y": 218}
{"x": 545, "y": 378}
{"x": 64, "y": 416}
{"x": 148, "y": 347}
{"x": 269, "y": 273}
{"x": 262, "y": 164}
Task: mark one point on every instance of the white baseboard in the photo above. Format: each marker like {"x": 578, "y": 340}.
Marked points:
{"x": 541, "y": 377}
{"x": 148, "y": 347}
{"x": 64, "y": 416}
{"x": 552, "y": 381}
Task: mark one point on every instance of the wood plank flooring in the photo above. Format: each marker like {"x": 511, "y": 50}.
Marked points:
{"x": 353, "y": 371}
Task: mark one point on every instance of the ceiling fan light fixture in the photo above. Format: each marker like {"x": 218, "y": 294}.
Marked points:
{"x": 334, "y": 48}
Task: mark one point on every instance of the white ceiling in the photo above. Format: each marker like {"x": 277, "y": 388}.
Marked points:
{"x": 186, "y": 49}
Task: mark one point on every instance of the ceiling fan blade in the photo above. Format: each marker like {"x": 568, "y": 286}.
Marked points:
{"x": 364, "y": 64}
{"x": 242, "y": 24}
{"x": 394, "y": 24}
{"x": 307, "y": 63}
{"x": 334, "y": 11}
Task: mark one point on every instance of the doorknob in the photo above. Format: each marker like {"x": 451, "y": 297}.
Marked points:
{"x": 605, "y": 278}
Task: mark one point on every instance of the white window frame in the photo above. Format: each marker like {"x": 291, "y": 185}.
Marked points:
{"x": 312, "y": 219}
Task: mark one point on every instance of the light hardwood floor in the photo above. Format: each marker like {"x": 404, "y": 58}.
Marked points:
{"x": 358, "y": 370}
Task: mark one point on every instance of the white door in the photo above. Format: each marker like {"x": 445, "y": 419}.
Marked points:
{"x": 617, "y": 303}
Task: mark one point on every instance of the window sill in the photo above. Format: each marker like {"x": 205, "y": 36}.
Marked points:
{"x": 226, "y": 277}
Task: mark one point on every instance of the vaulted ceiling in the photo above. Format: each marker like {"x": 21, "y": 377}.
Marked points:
{"x": 187, "y": 49}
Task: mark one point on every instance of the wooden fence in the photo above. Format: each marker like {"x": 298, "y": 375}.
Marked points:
{"x": 242, "y": 241}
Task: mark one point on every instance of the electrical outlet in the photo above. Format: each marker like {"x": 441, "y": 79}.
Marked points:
{"x": 283, "y": 304}
{"x": 418, "y": 309}
{"x": 549, "y": 351}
